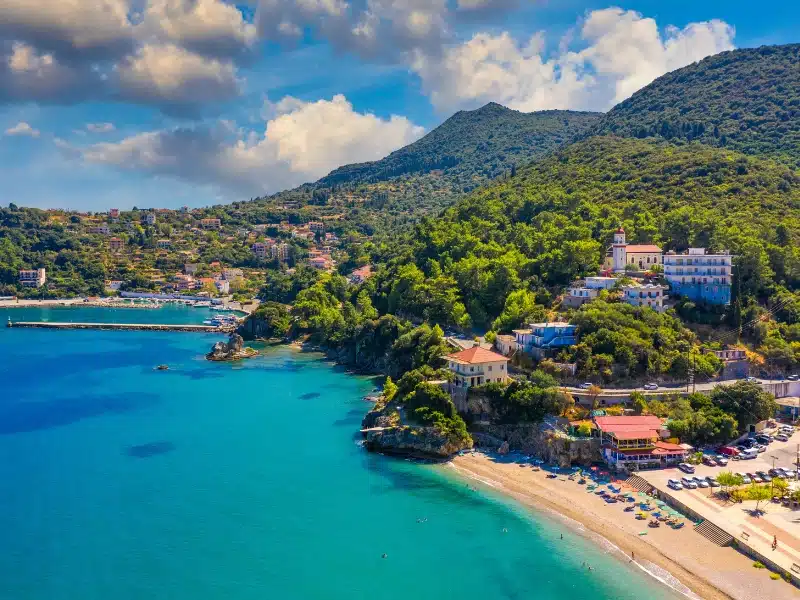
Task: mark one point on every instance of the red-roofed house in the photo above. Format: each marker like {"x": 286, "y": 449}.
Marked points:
{"x": 476, "y": 366}
{"x": 637, "y": 442}
{"x": 640, "y": 256}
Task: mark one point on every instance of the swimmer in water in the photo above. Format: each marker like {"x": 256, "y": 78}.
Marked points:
{"x": 384, "y": 555}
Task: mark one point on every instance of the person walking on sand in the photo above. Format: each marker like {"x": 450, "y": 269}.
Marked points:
{"x": 774, "y": 542}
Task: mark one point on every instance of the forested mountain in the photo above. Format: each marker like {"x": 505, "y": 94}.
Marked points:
{"x": 552, "y": 222}
{"x": 464, "y": 152}
{"x": 746, "y": 100}
{"x": 472, "y": 146}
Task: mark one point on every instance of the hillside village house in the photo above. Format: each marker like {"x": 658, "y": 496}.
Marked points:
{"x": 116, "y": 244}
{"x": 700, "y": 276}
{"x": 476, "y": 366}
{"x": 316, "y": 226}
{"x": 190, "y": 268}
{"x": 280, "y": 252}
{"x": 113, "y": 214}
{"x": 32, "y": 278}
{"x": 540, "y": 338}
{"x": 262, "y": 250}
{"x": 100, "y": 230}
{"x": 149, "y": 218}
{"x": 587, "y": 290}
{"x": 622, "y": 255}
{"x": 210, "y": 223}
{"x": 163, "y": 244}
{"x": 223, "y": 286}
{"x": 361, "y": 274}
{"x": 113, "y": 285}
{"x": 636, "y": 443}
{"x": 651, "y": 295}
{"x": 505, "y": 344}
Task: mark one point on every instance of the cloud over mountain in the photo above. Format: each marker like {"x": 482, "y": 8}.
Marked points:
{"x": 302, "y": 142}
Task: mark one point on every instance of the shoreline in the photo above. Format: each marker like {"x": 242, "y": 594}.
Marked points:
{"x": 697, "y": 565}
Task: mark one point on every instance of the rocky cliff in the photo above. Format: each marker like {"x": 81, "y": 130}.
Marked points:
{"x": 539, "y": 440}
{"x": 385, "y": 432}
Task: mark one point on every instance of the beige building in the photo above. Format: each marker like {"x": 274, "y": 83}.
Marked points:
{"x": 32, "y": 277}
{"x": 116, "y": 244}
{"x": 645, "y": 295}
{"x": 622, "y": 255}
{"x": 476, "y": 366}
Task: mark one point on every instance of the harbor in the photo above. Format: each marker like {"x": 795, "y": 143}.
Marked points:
{"x": 222, "y": 328}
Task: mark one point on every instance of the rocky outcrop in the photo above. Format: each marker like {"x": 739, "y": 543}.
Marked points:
{"x": 253, "y": 328}
{"x": 540, "y": 440}
{"x": 423, "y": 442}
{"x": 385, "y": 432}
{"x": 231, "y": 350}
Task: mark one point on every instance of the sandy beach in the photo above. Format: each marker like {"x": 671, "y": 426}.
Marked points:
{"x": 709, "y": 571}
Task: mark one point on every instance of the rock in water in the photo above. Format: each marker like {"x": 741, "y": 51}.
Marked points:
{"x": 232, "y": 350}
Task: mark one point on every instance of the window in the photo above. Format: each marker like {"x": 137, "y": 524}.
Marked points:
{"x": 502, "y": 367}
{"x": 490, "y": 367}
{"x": 471, "y": 369}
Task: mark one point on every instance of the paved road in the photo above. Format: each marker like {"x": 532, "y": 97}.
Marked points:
{"x": 699, "y": 387}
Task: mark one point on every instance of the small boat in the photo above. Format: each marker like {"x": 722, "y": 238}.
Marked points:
{"x": 536, "y": 468}
{"x": 162, "y": 368}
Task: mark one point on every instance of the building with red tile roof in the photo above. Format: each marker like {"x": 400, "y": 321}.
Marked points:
{"x": 637, "y": 442}
{"x": 476, "y": 366}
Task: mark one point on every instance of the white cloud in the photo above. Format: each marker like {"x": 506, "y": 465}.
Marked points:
{"x": 174, "y": 78}
{"x": 212, "y": 27}
{"x": 304, "y": 141}
{"x": 624, "y": 52}
{"x": 371, "y": 28}
{"x": 28, "y": 74}
{"x": 23, "y": 128}
{"x": 76, "y": 27}
{"x": 99, "y": 127}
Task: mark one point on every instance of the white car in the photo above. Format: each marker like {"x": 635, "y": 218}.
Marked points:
{"x": 651, "y": 386}
{"x": 745, "y": 478}
{"x": 686, "y": 468}
{"x": 782, "y": 437}
{"x": 712, "y": 482}
{"x": 755, "y": 477}
{"x": 688, "y": 483}
{"x": 674, "y": 484}
{"x": 701, "y": 483}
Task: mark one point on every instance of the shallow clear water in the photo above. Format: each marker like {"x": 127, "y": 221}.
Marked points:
{"x": 238, "y": 482}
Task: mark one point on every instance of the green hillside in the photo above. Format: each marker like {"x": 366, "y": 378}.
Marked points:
{"x": 746, "y": 100}
{"x": 552, "y": 222}
{"x": 464, "y": 152}
{"x": 473, "y": 145}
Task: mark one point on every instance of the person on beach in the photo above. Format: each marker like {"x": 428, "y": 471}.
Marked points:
{"x": 774, "y": 542}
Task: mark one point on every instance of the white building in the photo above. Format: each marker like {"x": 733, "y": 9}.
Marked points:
{"x": 100, "y": 230}
{"x": 149, "y": 218}
{"x": 476, "y": 366}
{"x": 32, "y": 277}
{"x": 587, "y": 290}
{"x": 280, "y": 251}
{"x": 223, "y": 286}
{"x": 652, "y": 295}
{"x": 163, "y": 244}
{"x": 700, "y": 276}
{"x": 113, "y": 285}
{"x": 638, "y": 256}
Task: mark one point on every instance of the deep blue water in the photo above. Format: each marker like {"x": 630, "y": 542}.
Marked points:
{"x": 243, "y": 482}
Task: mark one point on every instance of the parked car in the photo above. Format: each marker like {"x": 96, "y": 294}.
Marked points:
{"x": 721, "y": 460}
{"x": 764, "y": 476}
{"x": 793, "y": 378}
{"x": 700, "y": 481}
{"x": 749, "y": 454}
{"x": 586, "y": 385}
{"x": 790, "y": 473}
{"x": 761, "y": 448}
{"x": 751, "y": 380}
{"x": 754, "y": 477}
{"x": 686, "y": 467}
{"x": 782, "y": 437}
{"x": 748, "y": 443}
{"x": 712, "y": 482}
{"x": 777, "y": 472}
{"x": 745, "y": 478}
{"x": 709, "y": 460}
{"x": 688, "y": 483}
{"x": 728, "y": 451}
{"x": 674, "y": 484}
{"x": 763, "y": 439}
{"x": 651, "y": 386}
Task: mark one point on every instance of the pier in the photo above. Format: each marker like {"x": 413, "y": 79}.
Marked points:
{"x": 121, "y": 326}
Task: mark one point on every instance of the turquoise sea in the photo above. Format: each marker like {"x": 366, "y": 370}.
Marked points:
{"x": 242, "y": 482}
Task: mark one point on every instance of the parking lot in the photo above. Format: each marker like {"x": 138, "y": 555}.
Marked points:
{"x": 739, "y": 519}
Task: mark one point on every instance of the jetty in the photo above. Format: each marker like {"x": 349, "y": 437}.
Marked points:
{"x": 122, "y": 326}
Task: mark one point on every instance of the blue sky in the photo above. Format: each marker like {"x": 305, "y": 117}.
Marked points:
{"x": 161, "y": 103}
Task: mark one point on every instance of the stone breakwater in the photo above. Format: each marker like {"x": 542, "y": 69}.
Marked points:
{"x": 120, "y": 326}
